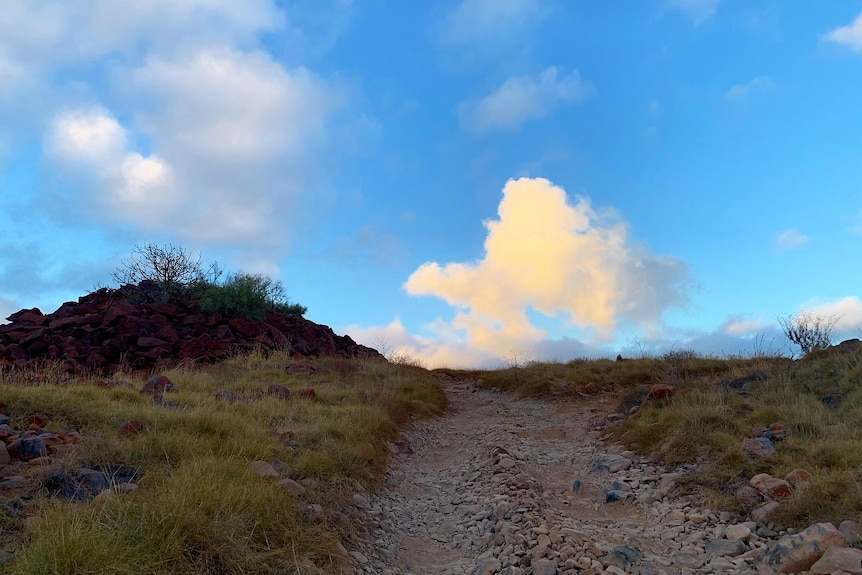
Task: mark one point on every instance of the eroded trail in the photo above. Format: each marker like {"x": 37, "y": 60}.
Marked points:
{"x": 503, "y": 485}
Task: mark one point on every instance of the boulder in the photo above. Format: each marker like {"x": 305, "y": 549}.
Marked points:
{"x": 758, "y": 447}
{"x": 798, "y": 477}
{"x": 771, "y": 486}
{"x": 852, "y": 531}
{"x": 841, "y": 559}
{"x": 157, "y": 385}
{"x": 799, "y": 552}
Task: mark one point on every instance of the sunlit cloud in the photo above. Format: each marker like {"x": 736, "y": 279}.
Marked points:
{"x": 560, "y": 259}
{"x": 523, "y": 98}
{"x": 740, "y": 325}
{"x": 847, "y": 312}
{"x": 790, "y": 239}
{"x": 849, "y": 36}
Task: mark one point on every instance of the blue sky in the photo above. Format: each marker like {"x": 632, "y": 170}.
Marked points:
{"x": 466, "y": 181}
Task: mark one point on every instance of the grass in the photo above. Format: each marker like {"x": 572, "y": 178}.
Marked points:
{"x": 818, "y": 399}
{"x": 199, "y": 509}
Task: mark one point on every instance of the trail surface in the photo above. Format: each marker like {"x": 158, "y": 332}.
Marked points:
{"x": 511, "y": 486}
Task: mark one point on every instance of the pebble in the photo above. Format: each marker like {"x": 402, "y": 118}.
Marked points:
{"x": 505, "y": 486}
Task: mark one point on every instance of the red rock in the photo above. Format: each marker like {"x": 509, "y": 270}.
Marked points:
{"x": 4, "y": 409}
{"x": 145, "y": 341}
{"x": 158, "y": 384}
{"x": 51, "y": 439}
{"x": 245, "y": 327}
{"x": 32, "y": 316}
{"x": 307, "y": 392}
{"x": 300, "y": 367}
{"x": 131, "y": 427}
{"x": 224, "y": 333}
{"x": 759, "y": 447}
{"x": 39, "y": 461}
{"x": 35, "y": 427}
{"x": 39, "y": 419}
{"x": 797, "y": 477}
{"x": 660, "y": 391}
{"x": 771, "y": 486}
{"x": 279, "y": 391}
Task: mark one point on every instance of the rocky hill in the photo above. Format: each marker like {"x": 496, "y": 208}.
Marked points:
{"x": 105, "y": 331}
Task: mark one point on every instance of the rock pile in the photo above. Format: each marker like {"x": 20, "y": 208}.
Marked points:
{"x": 104, "y": 331}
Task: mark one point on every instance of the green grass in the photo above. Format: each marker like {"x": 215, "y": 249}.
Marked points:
{"x": 199, "y": 509}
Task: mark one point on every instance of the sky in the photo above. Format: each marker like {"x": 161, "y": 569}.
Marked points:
{"x": 467, "y": 182}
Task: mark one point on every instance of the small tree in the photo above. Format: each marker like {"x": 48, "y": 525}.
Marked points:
{"x": 808, "y": 330}
{"x": 166, "y": 269}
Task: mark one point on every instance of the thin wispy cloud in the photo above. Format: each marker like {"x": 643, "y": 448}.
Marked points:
{"x": 791, "y": 239}
{"x": 849, "y": 36}
{"x": 489, "y": 23}
{"x": 741, "y": 92}
{"x": 521, "y": 99}
{"x": 698, "y": 10}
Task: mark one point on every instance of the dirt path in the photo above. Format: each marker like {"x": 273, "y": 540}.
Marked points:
{"x": 509, "y": 486}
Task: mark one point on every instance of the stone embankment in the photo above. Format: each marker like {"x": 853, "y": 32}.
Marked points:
{"x": 507, "y": 486}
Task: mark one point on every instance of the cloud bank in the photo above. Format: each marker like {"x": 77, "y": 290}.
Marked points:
{"x": 171, "y": 117}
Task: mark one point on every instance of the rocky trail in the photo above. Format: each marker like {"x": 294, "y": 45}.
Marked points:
{"x": 511, "y": 486}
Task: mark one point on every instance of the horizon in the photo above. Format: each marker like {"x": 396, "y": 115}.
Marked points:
{"x": 468, "y": 182}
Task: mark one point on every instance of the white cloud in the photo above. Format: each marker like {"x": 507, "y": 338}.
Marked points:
{"x": 790, "y": 239}
{"x": 698, "y": 10}
{"x": 561, "y": 260}
{"x": 523, "y": 98}
{"x": 55, "y": 32}
{"x": 131, "y": 186}
{"x": 232, "y": 134}
{"x": 485, "y": 22}
{"x": 849, "y": 36}
{"x": 739, "y": 92}
{"x": 441, "y": 350}
{"x": 740, "y": 325}
{"x": 224, "y": 104}
{"x": 847, "y": 311}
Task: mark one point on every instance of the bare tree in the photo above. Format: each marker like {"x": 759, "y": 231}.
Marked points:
{"x": 808, "y": 330}
{"x": 168, "y": 268}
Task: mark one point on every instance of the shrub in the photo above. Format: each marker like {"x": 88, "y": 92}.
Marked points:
{"x": 809, "y": 331}
{"x": 246, "y": 295}
{"x": 165, "y": 270}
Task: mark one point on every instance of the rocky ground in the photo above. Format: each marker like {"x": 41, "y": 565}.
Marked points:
{"x": 512, "y": 486}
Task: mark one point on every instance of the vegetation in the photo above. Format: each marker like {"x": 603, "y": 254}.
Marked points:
{"x": 199, "y": 508}
{"x": 810, "y": 332}
{"x": 246, "y": 295}
{"x": 718, "y": 402}
{"x": 168, "y": 270}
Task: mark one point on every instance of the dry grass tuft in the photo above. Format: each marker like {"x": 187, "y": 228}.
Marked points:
{"x": 198, "y": 508}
